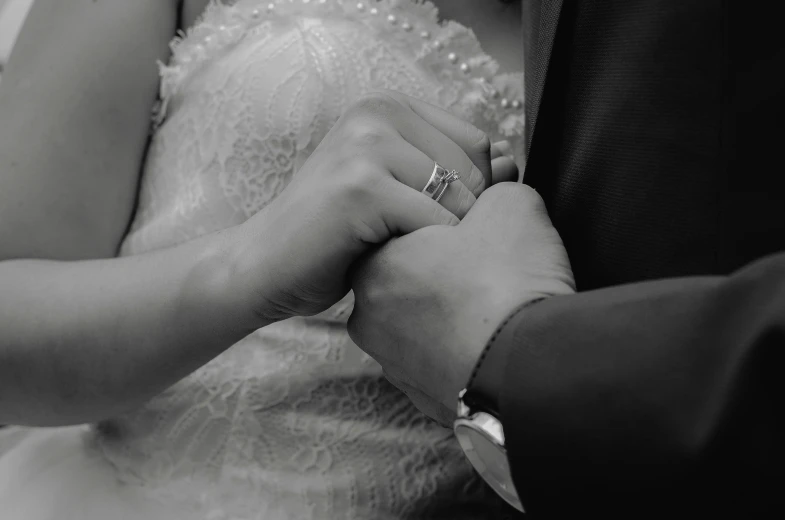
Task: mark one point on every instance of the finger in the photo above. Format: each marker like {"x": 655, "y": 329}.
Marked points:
{"x": 371, "y": 120}
{"x": 507, "y": 207}
{"x": 473, "y": 141}
{"x": 412, "y": 167}
{"x": 440, "y": 148}
{"x": 504, "y": 170}
{"x": 457, "y": 198}
{"x": 404, "y": 210}
{"x": 499, "y": 149}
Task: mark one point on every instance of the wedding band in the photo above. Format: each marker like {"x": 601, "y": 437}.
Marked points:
{"x": 439, "y": 182}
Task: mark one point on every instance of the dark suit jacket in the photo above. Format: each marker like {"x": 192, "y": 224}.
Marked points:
{"x": 656, "y": 133}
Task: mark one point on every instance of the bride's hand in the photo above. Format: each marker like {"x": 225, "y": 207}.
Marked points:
{"x": 360, "y": 187}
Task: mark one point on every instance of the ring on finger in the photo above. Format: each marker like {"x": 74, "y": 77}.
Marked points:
{"x": 440, "y": 180}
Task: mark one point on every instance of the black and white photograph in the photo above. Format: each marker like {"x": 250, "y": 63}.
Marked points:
{"x": 391, "y": 259}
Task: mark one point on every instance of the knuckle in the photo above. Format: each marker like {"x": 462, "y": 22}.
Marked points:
{"x": 371, "y": 291}
{"x": 362, "y": 129}
{"x": 527, "y": 192}
{"x": 355, "y": 179}
{"x": 378, "y": 103}
{"x": 367, "y": 121}
{"x": 374, "y": 294}
{"x": 361, "y": 178}
{"x": 482, "y": 143}
{"x": 518, "y": 193}
{"x": 365, "y": 133}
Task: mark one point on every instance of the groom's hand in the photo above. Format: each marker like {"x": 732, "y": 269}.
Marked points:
{"x": 427, "y": 303}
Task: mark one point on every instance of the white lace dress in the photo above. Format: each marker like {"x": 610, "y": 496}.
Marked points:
{"x": 293, "y": 422}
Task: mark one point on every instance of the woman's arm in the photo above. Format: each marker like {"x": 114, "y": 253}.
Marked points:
{"x": 75, "y": 108}
{"x": 82, "y": 341}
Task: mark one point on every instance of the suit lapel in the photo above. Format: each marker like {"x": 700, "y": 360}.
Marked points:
{"x": 540, "y": 18}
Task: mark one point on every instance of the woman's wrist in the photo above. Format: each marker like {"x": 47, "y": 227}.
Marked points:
{"x": 218, "y": 291}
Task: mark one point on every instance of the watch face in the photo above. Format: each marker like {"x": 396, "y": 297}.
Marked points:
{"x": 493, "y": 460}
{"x": 490, "y": 461}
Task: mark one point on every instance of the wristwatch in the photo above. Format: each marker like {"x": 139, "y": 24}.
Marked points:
{"x": 479, "y": 429}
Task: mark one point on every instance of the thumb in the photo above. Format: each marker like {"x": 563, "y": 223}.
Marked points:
{"x": 507, "y": 206}
{"x": 513, "y": 217}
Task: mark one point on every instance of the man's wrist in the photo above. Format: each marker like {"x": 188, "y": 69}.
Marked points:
{"x": 484, "y": 386}
{"x": 479, "y": 427}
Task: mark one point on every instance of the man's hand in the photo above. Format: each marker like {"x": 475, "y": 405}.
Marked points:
{"x": 427, "y": 303}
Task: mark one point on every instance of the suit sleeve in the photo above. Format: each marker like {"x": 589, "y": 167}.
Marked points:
{"x": 656, "y": 396}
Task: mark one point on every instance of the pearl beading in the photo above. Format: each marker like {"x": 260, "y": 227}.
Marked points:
{"x": 222, "y": 26}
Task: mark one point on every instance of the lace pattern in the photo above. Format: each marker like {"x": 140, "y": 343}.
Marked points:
{"x": 294, "y": 421}
{"x": 449, "y": 51}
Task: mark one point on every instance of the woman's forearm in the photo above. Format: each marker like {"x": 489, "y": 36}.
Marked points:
{"x": 81, "y": 341}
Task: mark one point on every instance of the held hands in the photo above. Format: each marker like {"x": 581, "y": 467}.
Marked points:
{"x": 427, "y": 303}
{"x": 360, "y": 187}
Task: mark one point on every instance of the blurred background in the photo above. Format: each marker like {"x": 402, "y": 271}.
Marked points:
{"x": 12, "y": 14}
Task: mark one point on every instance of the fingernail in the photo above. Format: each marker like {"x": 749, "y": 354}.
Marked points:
{"x": 504, "y": 147}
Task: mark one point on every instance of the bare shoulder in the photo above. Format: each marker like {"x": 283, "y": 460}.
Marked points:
{"x": 75, "y": 108}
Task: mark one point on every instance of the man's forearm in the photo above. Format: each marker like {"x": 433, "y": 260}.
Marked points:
{"x": 80, "y": 341}
{"x": 656, "y": 393}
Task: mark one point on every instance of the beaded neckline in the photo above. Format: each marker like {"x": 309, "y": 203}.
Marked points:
{"x": 450, "y": 49}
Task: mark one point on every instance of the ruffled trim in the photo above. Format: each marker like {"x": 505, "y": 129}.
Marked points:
{"x": 449, "y": 50}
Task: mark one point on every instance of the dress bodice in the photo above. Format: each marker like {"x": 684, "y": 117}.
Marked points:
{"x": 294, "y": 421}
